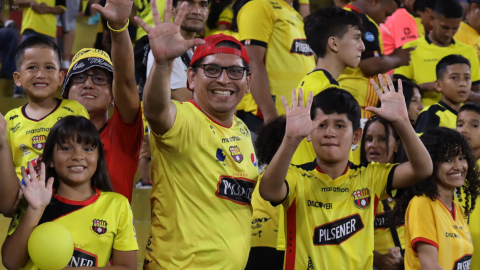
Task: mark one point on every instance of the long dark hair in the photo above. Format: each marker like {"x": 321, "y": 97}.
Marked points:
{"x": 216, "y": 8}
{"x": 388, "y": 129}
{"x": 442, "y": 143}
{"x": 81, "y": 130}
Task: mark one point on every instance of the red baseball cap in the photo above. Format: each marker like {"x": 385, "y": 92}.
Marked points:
{"x": 209, "y": 48}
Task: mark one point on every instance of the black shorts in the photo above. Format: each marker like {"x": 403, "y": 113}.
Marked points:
{"x": 265, "y": 258}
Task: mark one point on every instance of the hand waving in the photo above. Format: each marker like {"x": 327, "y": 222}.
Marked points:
{"x": 166, "y": 42}
{"x": 393, "y": 103}
{"x": 116, "y": 12}
{"x": 35, "y": 191}
{"x": 299, "y": 124}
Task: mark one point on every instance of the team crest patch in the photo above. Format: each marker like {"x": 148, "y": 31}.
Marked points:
{"x": 38, "y": 142}
{"x": 361, "y": 198}
{"x": 236, "y": 154}
{"x": 99, "y": 226}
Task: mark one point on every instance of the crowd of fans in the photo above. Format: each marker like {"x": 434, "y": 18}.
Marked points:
{"x": 343, "y": 138}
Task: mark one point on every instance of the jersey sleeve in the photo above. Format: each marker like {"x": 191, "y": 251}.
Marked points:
{"x": 475, "y": 66}
{"x": 125, "y": 238}
{"x": 371, "y": 39}
{"x": 291, "y": 180}
{"x": 426, "y": 120}
{"x": 420, "y": 222}
{"x": 226, "y": 17}
{"x": 381, "y": 177}
{"x": 255, "y": 23}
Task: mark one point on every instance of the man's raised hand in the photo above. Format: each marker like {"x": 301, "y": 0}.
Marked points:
{"x": 393, "y": 103}
{"x": 166, "y": 42}
{"x": 116, "y": 12}
{"x": 299, "y": 124}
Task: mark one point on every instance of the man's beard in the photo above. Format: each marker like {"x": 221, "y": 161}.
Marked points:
{"x": 191, "y": 29}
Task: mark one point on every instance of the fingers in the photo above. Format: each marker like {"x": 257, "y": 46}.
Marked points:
{"x": 410, "y": 49}
{"x": 294, "y": 97}
{"x": 400, "y": 86}
{"x": 98, "y": 8}
{"x": 285, "y": 103}
{"x": 195, "y": 42}
{"x": 309, "y": 101}
{"x": 301, "y": 97}
{"x": 167, "y": 14}
{"x": 375, "y": 87}
{"x": 372, "y": 109}
{"x": 50, "y": 184}
{"x": 31, "y": 170}
{"x": 143, "y": 24}
{"x": 390, "y": 83}
{"x": 318, "y": 120}
{"x": 382, "y": 82}
{"x": 25, "y": 177}
{"x": 42, "y": 172}
{"x": 181, "y": 14}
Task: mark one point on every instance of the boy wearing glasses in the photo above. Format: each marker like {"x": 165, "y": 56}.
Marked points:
{"x": 38, "y": 72}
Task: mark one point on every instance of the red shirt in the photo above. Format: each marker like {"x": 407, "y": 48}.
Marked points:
{"x": 121, "y": 144}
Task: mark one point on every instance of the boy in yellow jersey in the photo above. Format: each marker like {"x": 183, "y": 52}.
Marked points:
{"x": 469, "y": 30}
{"x": 203, "y": 162}
{"x": 38, "y": 64}
{"x": 436, "y": 45}
{"x": 330, "y": 203}
{"x": 373, "y": 61}
{"x": 468, "y": 124}
{"x": 453, "y": 81}
{"x": 273, "y": 34}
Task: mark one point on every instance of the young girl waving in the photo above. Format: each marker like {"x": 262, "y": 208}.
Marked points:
{"x": 77, "y": 195}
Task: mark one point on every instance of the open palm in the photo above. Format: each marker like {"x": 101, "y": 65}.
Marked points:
{"x": 393, "y": 103}
{"x": 37, "y": 193}
{"x": 299, "y": 123}
{"x": 115, "y": 11}
{"x": 166, "y": 42}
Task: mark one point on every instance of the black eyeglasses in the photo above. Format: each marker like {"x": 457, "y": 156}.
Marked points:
{"x": 214, "y": 71}
{"x": 98, "y": 79}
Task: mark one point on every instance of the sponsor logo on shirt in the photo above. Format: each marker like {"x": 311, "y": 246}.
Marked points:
{"x": 13, "y": 117}
{"x": 452, "y": 235}
{"x": 23, "y": 147}
{"x": 381, "y": 221}
{"x": 99, "y": 227}
{"x": 231, "y": 139}
{"x": 68, "y": 109}
{"x": 237, "y": 190}
{"x": 245, "y": 131}
{"x": 338, "y": 231}
{"x": 407, "y": 31}
{"x": 258, "y": 222}
{"x": 369, "y": 36}
{"x": 37, "y": 130}
{"x": 82, "y": 258}
{"x": 361, "y": 198}
{"x": 236, "y": 154}
{"x": 149, "y": 243}
{"x": 220, "y": 156}
{"x": 463, "y": 263}
{"x": 334, "y": 189}
{"x": 15, "y": 128}
{"x": 310, "y": 264}
{"x": 300, "y": 46}
{"x": 38, "y": 142}
{"x": 318, "y": 204}
{"x": 254, "y": 159}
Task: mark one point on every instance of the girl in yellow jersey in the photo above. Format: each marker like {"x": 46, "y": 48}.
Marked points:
{"x": 99, "y": 220}
{"x": 436, "y": 230}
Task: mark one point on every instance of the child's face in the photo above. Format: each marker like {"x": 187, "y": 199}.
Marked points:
{"x": 468, "y": 124}
{"x": 415, "y": 107}
{"x": 39, "y": 73}
{"x": 452, "y": 172}
{"x": 334, "y": 137}
{"x": 455, "y": 84}
{"x": 75, "y": 163}
{"x": 376, "y": 144}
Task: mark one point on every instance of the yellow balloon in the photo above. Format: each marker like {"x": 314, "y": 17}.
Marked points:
{"x": 50, "y": 246}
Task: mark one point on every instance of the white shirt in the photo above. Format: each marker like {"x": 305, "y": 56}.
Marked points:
{"x": 178, "y": 79}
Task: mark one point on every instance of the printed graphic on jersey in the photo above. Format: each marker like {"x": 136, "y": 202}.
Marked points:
{"x": 361, "y": 198}
{"x": 463, "y": 263}
{"x": 258, "y": 222}
{"x": 237, "y": 190}
{"x": 300, "y": 46}
{"x": 23, "y": 147}
{"x": 338, "y": 231}
{"x": 381, "y": 221}
{"x": 82, "y": 258}
{"x": 236, "y": 154}
{"x": 99, "y": 226}
{"x": 254, "y": 159}
{"x": 38, "y": 142}
{"x": 220, "y": 155}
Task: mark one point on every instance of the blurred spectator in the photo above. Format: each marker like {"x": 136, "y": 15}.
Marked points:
{"x": 424, "y": 8}
{"x": 8, "y": 44}
{"x": 303, "y": 7}
{"x": 68, "y": 22}
{"x": 469, "y": 30}
{"x": 220, "y": 16}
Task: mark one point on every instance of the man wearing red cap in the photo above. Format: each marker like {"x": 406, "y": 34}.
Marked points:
{"x": 203, "y": 164}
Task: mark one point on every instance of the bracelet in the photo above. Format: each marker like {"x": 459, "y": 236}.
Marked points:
{"x": 119, "y": 30}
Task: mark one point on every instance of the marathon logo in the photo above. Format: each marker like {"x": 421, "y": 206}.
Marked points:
{"x": 37, "y": 130}
{"x": 237, "y": 190}
{"x": 338, "y": 231}
{"x": 381, "y": 221}
{"x": 300, "y": 46}
{"x": 335, "y": 189}
{"x": 463, "y": 263}
{"x": 232, "y": 139}
{"x": 320, "y": 204}
{"x": 82, "y": 258}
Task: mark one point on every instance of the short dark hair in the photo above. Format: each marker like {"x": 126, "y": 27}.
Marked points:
{"x": 38, "y": 42}
{"x": 336, "y": 100}
{"x": 325, "y": 23}
{"x": 81, "y": 130}
{"x": 451, "y": 9}
{"x": 422, "y": 5}
{"x": 270, "y": 137}
{"x": 471, "y": 106}
{"x": 225, "y": 43}
{"x": 449, "y": 60}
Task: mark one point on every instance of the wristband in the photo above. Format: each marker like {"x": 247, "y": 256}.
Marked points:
{"x": 119, "y": 30}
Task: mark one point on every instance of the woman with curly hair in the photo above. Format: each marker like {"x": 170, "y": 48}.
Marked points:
{"x": 436, "y": 230}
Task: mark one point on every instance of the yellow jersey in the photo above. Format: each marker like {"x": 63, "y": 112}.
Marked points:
{"x": 326, "y": 218}
{"x": 420, "y": 27}
{"x": 437, "y": 115}
{"x": 432, "y": 222}
{"x": 144, "y": 12}
{"x": 276, "y": 26}
{"x": 384, "y": 238}
{"x": 424, "y": 59}
{"x": 203, "y": 177}
{"x": 352, "y": 79}
{"x": 97, "y": 225}
{"x": 469, "y": 36}
{"x": 27, "y": 137}
{"x": 45, "y": 24}
{"x": 225, "y": 18}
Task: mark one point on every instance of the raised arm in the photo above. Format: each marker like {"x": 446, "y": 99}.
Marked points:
{"x": 166, "y": 44}
{"x": 299, "y": 126}
{"x": 8, "y": 180}
{"x": 394, "y": 110}
{"x": 125, "y": 94}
